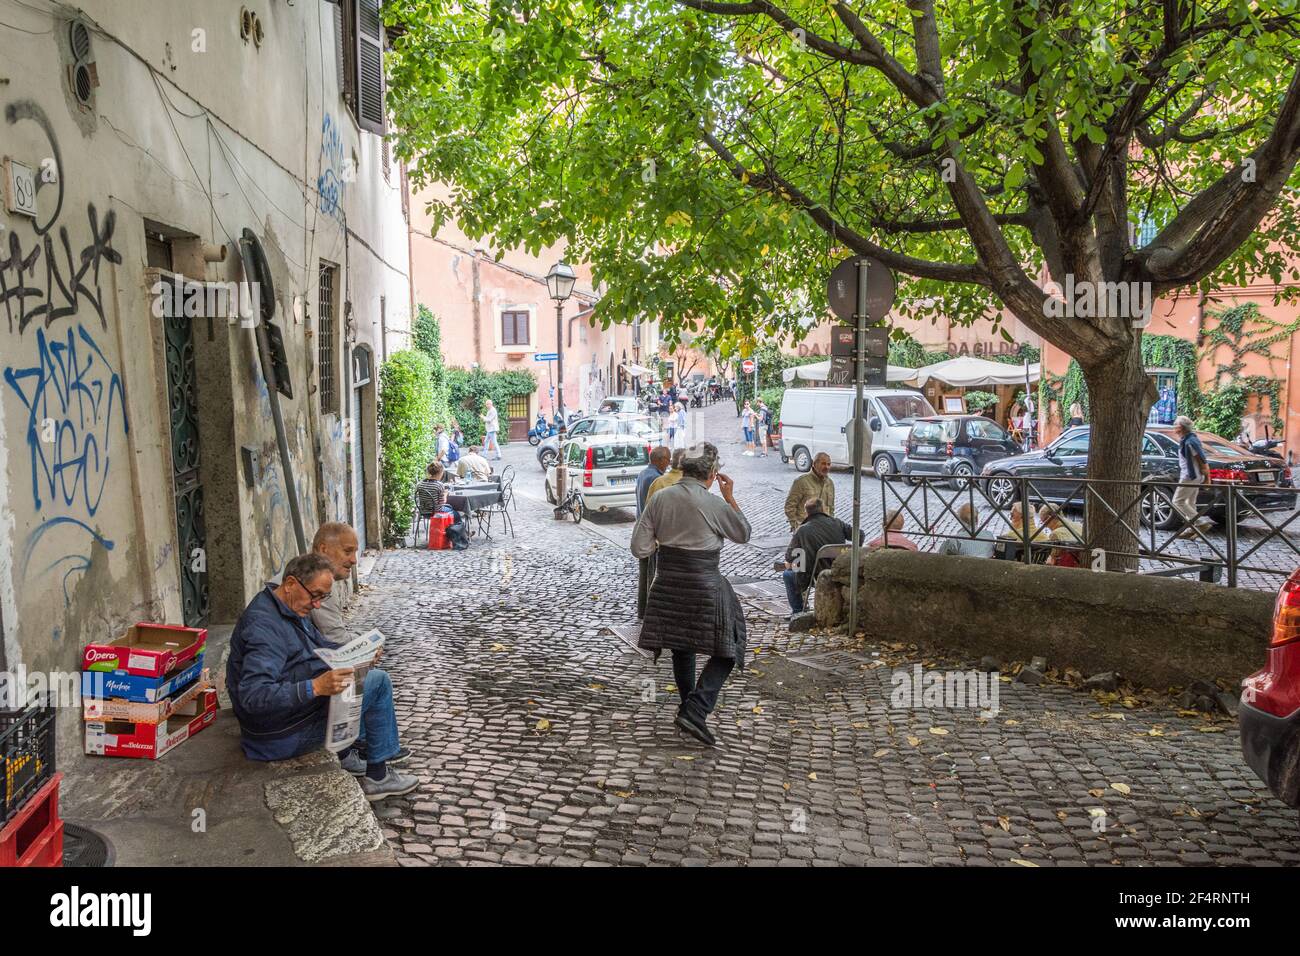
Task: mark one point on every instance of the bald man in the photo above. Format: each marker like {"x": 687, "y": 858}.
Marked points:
{"x": 337, "y": 543}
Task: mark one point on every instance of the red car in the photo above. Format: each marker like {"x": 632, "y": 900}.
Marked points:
{"x": 1269, "y": 715}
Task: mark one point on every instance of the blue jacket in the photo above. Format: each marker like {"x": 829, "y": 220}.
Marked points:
{"x": 268, "y": 676}
{"x": 643, "y": 482}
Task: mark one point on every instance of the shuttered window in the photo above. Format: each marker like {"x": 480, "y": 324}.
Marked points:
{"x": 370, "y": 66}
{"x": 514, "y": 328}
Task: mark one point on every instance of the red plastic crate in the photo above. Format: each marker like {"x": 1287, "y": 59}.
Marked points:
{"x": 34, "y": 835}
{"x": 438, "y": 525}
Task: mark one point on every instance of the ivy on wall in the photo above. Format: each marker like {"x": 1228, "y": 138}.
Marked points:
{"x": 470, "y": 390}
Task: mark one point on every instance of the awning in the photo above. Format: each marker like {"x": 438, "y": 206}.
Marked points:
{"x": 820, "y": 371}
{"x": 636, "y": 370}
{"x": 968, "y": 372}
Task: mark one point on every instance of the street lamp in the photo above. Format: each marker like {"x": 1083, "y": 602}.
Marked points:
{"x": 559, "y": 283}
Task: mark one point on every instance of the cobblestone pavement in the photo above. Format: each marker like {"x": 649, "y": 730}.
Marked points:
{"x": 541, "y": 737}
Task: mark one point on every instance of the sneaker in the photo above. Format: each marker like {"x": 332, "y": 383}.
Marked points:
{"x": 354, "y": 764}
{"x": 394, "y": 784}
{"x": 698, "y": 731}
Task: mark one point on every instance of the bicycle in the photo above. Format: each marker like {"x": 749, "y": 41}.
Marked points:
{"x": 572, "y": 504}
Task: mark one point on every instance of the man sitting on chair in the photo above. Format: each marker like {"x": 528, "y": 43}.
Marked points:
{"x": 817, "y": 529}
{"x": 474, "y": 465}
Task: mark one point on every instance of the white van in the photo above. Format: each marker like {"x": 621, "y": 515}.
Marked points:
{"x": 815, "y": 420}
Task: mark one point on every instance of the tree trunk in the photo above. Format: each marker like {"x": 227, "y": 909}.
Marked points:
{"x": 1120, "y": 395}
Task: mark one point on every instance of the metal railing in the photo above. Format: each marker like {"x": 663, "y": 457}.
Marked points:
{"x": 1109, "y": 525}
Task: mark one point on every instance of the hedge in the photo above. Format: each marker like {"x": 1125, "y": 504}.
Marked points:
{"x": 409, "y": 407}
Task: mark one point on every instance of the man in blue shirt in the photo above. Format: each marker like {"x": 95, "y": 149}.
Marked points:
{"x": 279, "y": 687}
{"x": 1193, "y": 471}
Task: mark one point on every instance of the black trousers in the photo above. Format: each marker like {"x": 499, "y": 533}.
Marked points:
{"x": 699, "y": 699}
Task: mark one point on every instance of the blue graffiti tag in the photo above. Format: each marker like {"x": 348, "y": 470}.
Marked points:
{"x": 333, "y": 178}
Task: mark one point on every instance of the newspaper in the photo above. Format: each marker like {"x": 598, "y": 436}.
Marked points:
{"x": 345, "y": 707}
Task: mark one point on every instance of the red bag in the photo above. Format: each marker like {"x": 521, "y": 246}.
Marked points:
{"x": 438, "y": 525}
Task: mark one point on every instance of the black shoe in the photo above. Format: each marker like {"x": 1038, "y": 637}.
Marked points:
{"x": 698, "y": 731}
{"x": 402, "y": 755}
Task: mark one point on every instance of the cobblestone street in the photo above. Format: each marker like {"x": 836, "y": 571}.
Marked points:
{"x": 540, "y": 736}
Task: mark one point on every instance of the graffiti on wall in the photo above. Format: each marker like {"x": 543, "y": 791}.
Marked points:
{"x": 336, "y": 170}
{"x": 68, "y": 386}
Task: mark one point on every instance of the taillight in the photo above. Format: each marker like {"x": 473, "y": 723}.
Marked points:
{"x": 1286, "y": 613}
{"x": 590, "y": 464}
{"x": 1227, "y": 474}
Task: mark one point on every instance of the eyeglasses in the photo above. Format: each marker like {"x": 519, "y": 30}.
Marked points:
{"x": 315, "y": 597}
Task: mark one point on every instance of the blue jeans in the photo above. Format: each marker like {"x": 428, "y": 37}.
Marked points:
{"x": 698, "y": 700}
{"x": 378, "y": 719}
{"x": 490, "y": 444}
{"x": 792, "y": 592}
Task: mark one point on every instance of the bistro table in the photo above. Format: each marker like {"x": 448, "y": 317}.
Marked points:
{"x": 469, "y": 498}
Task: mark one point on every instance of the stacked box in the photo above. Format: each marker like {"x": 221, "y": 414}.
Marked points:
{"x": 146, "y": 692}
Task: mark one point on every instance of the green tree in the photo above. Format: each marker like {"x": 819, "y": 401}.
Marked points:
{"x": 715, "y": 159}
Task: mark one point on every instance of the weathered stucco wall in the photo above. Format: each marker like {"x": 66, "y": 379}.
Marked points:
{"x": 200, "y": 134}
{"x": 1159, "y": 632}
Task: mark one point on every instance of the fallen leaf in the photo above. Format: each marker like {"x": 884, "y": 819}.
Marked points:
{"x": 1061, "y": 814}
{"x": 595, "y": 686}
{"x": 859, "y": 725}
{"x": 759, "y": 710}
{"x": 785, "y": 786}
{"x": 1005, "y": 823}
{"x": 499, "y": 647}
{"x": 1155, "y": 733}
{"x": 1210, "y": 730}
{"x": 1098, "y": 793}
{"x": 1011, "y": 723}
{"x": 881, "y": 752}
{"x": 938, "y": 731}
{"x": 812, "y": 776}
{"x": 684, "y": 757}
{"x": 1122, "y": 788}
{"x": 543, "y": 725}
{"x": 670, "y": 689}
{"x": 914, "y": 741}
{"x": 624, "y": 793}
{"x": 1025, "y": 863}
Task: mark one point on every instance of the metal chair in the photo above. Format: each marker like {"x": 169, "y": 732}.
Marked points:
{"x": 503, "y": 505}
{"x": 420, "y": 516}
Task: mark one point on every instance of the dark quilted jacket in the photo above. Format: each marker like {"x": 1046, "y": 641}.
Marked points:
{"x": 693, "y": 608}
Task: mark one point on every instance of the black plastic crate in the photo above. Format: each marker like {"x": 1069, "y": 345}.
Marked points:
{"x": 26, "y": 755}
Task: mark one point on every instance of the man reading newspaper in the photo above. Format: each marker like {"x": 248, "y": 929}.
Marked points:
{"x": 280, "y": 686}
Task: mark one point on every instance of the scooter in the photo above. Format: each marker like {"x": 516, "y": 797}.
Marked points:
{"x": 542, "y": 430}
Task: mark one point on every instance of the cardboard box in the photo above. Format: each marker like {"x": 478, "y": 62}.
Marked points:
{"x": 116, "y": 708}
{"x": 123, "y": 738}
{"x": 146, "y": 650}
{"x": 145, "y": 690}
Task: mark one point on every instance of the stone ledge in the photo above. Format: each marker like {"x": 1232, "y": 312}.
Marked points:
{"x": 1156, "y": 631}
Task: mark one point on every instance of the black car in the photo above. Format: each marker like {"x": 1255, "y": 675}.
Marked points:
{"x": 1054, "y": 468}
{"x": 955, "y": 446}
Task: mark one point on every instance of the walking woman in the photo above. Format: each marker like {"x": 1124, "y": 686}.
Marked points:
{"x": 680, "y": 418}
{"x": 692, "y": 608}
{"x": 747, "y": 427}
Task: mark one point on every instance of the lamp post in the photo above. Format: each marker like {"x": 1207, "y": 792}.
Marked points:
{"x": 559, "y": 283}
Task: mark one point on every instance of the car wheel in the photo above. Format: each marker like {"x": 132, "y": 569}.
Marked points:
{"x": 547, "y": 458}
{"x": 883, "y": 466}
{"x": 961, "y": 473}
{"x": 1002, "y": 491}
{"x": 550, "y": 495}
{"x": 1157, "y": 509}
{"x": 802, "y": 459}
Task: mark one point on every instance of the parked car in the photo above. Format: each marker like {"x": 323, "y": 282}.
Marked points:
{"x": 603, "y": 469}
{"x": 815, "y": 420}
{"x": 1053, "y": 468}
{"x": 1269, "y": 715}
{"x": 645, "y": 428}
{"x": 619, "y": 405}
{"x": 955, "y": 446}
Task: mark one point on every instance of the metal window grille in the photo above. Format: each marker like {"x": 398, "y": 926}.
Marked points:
{"x": 325, "y": 339}
{"x": 517, "y": 407}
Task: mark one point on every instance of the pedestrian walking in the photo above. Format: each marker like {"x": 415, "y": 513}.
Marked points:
{"x": 1076, "y": 414}
{"x": 747, "y": 427}
{"x": 681, "y": 426}
{"x": 692, "y": 609}
{"x": 816, "y": 484}
{"x": 1193, "y": 471}
{"x": 762, "y": 424}
{"x": 659, "y": 459}
{"x": 491, "y": 425}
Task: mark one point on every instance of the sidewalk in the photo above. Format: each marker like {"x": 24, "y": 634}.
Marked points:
{"x": 296, "y": 812}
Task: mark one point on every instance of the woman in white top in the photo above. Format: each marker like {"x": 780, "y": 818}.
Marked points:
{"x": 679, "y": 437}
{"x": 747, "y": 426}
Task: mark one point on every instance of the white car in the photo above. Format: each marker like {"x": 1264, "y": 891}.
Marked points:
{"x": 619, "y": 405}
{"x": 603, "y": 469}
{"x": 642, "y": 427}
